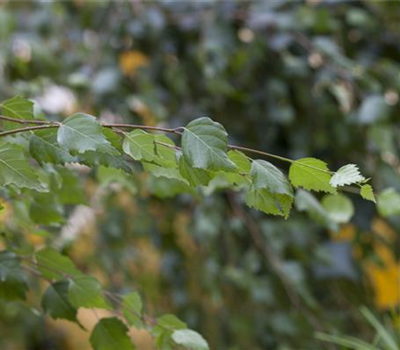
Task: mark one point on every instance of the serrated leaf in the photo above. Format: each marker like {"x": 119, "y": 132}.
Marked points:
{"x": 340, "y": 209}
{"x": 132, "y": 309}
{"x": 55, "y": 302}
{"x": 85, "y": 291}
{"x": 189, "y": 339}
{"x": 12, "y": 278}
{"x": 81, "y": 132}
{"x": 54, "y": 265}
{"x": 305, "y": 201}
{"x": 139, "y": 145}
{"x": 389, "y": 202}
{"x": 311, "y": 174}
{"x": 195, "y": 176}
{"x": 44, "y": 147}
{"x": 346, "y": 175}
{"x": 108, "y": 176}
{"x": 111, "y": 334}
{"x": 267, "y": 176}
{"x": 18, "y": 108}
{"x": 269, "y": 203}
{"x": 15, "y": 168}
{"x": 93, "y": 159}
{"x": 367, "y": 193}
{"x": 205, "y": 145}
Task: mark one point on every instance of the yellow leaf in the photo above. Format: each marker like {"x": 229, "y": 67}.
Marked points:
{"x": 130, "y": 61}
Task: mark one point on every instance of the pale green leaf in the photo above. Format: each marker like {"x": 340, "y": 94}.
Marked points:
{"x": 269, "y": 203}
{"x": 346, "y": 175}
{"x": 311, "y": 174}
{"x": 241, "y": 161}
{"x": 85, "y": 291}
{"x": 15, "y": 168}
{"x": 205, "y": 145}
{"x": 367, "y": 193}
{"x": 111, "y": 334}
{"x": 189, "y": 339}
{"x": 108, "y": 176}
{"x": 54, "y": 265}
{"x": 139, "y": 145}
{"x": 82, "y": 132}
{"x": 389, "y": 202}
{"x": 165, "y": 151}
{"x": 55, "y": 302}
{"x": 266, "y": 176}
{"x": 340, "y": 209}
{"x": 132, "y": 309}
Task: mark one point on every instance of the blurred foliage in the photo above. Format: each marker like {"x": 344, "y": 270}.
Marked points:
{"x": 294, "y": 78}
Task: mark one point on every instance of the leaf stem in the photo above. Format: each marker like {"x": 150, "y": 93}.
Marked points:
{"x": 29, "y": 128}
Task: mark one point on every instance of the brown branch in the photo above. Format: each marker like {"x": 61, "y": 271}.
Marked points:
{"x": 29, "y": 128}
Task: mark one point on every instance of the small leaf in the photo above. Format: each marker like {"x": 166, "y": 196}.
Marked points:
{"x": 165, "y": 151}
{"x": 111, "y": 334}
{"x": 139, "y": 145}
{"x": 12, "y": 277}
{"x": 269, "y": 203}
{"x": 311, "y": 174}
{"x": 15, "y": 168}
{"x": 389, "y": 202}
{"x": 241, "y": 161}
{"x": 108, "y": 176}
{"x": 55, "y": 302}
{"x": 132, "y": 309}
{"x": 44, "y": 147}
{"x": 340, "y": 209}
{"x": 54, "y": 265}
{"x": 367, "y": 193}
{"x": 81, "y": 132}
{"x": 85, "y": 291}
{"x": 205, "y": 145}
{"x": 267, "y": 176}
{"x": 189, "y": 339}
{"x": 346, "y": 175}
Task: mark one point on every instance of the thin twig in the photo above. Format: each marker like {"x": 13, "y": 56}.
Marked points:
{"x": 29, "y": 128}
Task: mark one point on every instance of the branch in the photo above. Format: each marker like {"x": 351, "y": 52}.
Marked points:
{"x": 29, "y": 128}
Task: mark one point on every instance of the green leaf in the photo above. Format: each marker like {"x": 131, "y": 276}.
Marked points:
{"x": 164, "y": 149}
{"x": 269, "y": 203}
{"x": 340, "y": 209}
{"x": 164, "y": 187}
{"x": 311, "y": 174}
{"x": 92, "y": 159}
{"x": 44, "y": 147}
{"x": 12, "y": 277}
{"x": 164, "y": 329}
{"x": 108, "y": 176}
{"x": 267, "y": 176}
{"x": 55, "y": 302}
{"x": 45, "y": 210}
{"x": 81, "y": 132}
{"x": 15, "y": 168}
{"x": 389, "y": 202}
{"x": 139, "y": 145}
{"x": 205, "y": 145}
{"x": 189, "y": 339}
{"x": 54, "y": 265}
{"x": 132, "y": 309}
{"x": 18, "y": 108}
{"x": 171, "y": 322}
{"x": 195, "y": 176}
{"x": 85, "y": 291}
{"x": 367, "y": 193}
{"x": 70, "y": 191}
{"x": 111, "y": 334}
{"x": 305, "y": 201}
{"x": 346, "y": 175}
{"x": 241, "y": 161}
